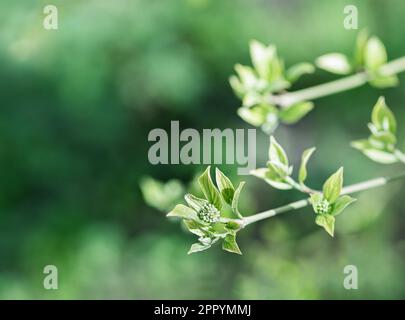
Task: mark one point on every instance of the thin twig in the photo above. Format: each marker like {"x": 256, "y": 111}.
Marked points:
{"x": 361, "y": 186}
{"x": 350, "y": 82}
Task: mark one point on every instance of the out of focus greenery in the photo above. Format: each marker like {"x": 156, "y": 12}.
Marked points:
{"x": 77, "y": 105}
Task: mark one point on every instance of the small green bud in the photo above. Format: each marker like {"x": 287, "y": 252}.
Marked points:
{"x": 208, "y": 213}
{"x": 322, "y": 207}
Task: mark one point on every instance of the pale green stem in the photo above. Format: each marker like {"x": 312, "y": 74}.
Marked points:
{"x": 300, "y": 187}
{"x": 365, "y": 185}
{"x": 350, "y": 82}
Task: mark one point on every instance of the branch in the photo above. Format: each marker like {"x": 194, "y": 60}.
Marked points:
{"x": 365, "y": 185}
{"x": 289, "y": 98}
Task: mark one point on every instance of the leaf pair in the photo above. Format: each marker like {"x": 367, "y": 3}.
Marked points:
{"x": 330, "y": 203}
{"x": 380, "y": 146}
{"x": 278, "y": 172}
{"x": 370, "y": 55}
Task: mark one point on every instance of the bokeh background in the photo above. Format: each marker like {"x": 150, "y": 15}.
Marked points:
{"x": 77, "y": 190}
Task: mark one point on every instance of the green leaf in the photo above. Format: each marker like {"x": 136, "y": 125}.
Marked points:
{"x": 183, "y": 211}
{"x": 278, "y": 85}
{"x": 333, "y": 186}
{"x": 382, "y": 117}
{"x": 232, "y": 226}
{"x": 315, "y": 198}
{"x": 210, "y": 191}
{"x": 277, "y": 153}
{"x": 271, "y": 123}
{"x": 229, "y": 244}
{"x": 247, "y": 77}
{"x": 280, "y": 170}
{"x": 375, "y": 54}
{"x": 235, "y": 200}
{"x": 251, "y": 99}
{"x": 280, "y": 185}
{"x": 225, "y": 186}
{"x": 271, "y": 178}
{"x": 326, "y": 221}
{"x": 198, "y": 247}
{"x": 302, "y": 175}
{"x": 262, "y": 57}
{"x": 218, "y": 229}
{"x": 361, "y": 43}
{"x": 384, "y": 137}
{"x": 384, "y": 82}
{"x": 334, "y": 62}
{"x": 276, "y": 74}
{"x": 298, "y": 70}
{"x": 341, "y": 203}
{"x": 295, "y": 112}
{"x": 194, "y": 202}
{"x": 237, "y": 86}
{"x": 380, "y": 156}
{"x": 374, "y": 154}
{"x": 194, "y": 227}
{"x": 257, "y": 115}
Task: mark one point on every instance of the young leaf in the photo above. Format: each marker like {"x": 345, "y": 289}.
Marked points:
{"x": 333, "y": 186}
{"x": 280, "y": 170}
{"x": 375, "y": 54}
{"x": 218, "y": 230}
{"x": 277, "y": 153}
{"x": 276, "y": 74}
{"x": 383, "y": 137}
{"x": 374, "y": 154}
{"x": 197, "y": 247}
{"x": 229, "y": 244}
{"x": 194, "y": 227}
{"x": 232, "y": 226}
{"x": 382, "y": 117}
{"x": 341, "y": 203}
{"x": 225, "y": 186}
{"x": 261, "y": 57}
{"x": 235, "y": 200}
{"x": 271, "y": 178}
{"x": 237, "y": 86}
{"x": 210, "y": 191}
{"x": 257, "y": 115}
{"x": 380, "y": 156}
{"x": 384, "y": 82}
{"x": 361, "y": 43}
{"x": 271, "y": 123}
{"x": 195, "y": 203}
{"x": 334, "y": 62}
{"x": 302, "y": 175}
{"x": 183, "y": 211}
{"x": 247, "y": 76}
{"x": 315, "y": 198}
{"x": 251, "y": 99}
{"x": 326, "y": 221}
{"x": 297, "y": 70}
{"x": 295, "y": 112}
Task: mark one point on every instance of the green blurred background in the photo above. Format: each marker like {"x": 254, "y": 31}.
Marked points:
{"x": 76, "y": 108}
